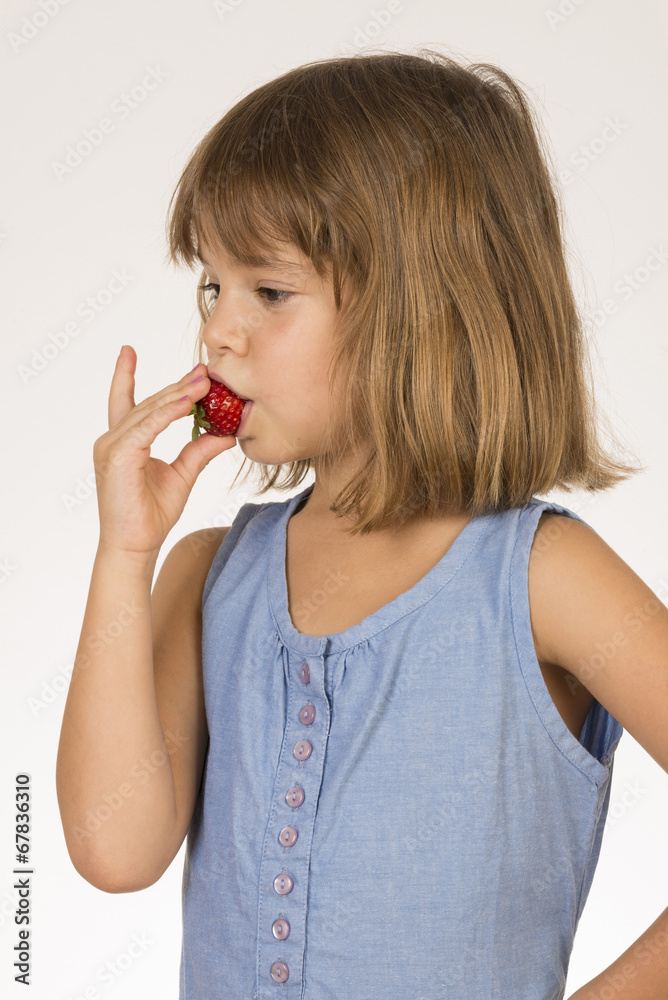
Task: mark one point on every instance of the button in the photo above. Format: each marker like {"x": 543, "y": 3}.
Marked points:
{"x": 295, "y": 796}
{"x": 280, "y": 972}
{"x": 281, "y": 928}
{"x": 307, "y": 714}
{"x": 288, "y": 836}
{"x": 305, "y": 673}
{"x": 303, "y": 750}
{"x": 283, "y": 884}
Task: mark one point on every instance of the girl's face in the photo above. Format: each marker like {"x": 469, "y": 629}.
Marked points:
{"x": 270, "y": 339}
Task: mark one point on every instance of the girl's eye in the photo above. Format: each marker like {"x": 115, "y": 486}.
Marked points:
{"x": 210, "y": 287}
{"x": 274, "y": 291}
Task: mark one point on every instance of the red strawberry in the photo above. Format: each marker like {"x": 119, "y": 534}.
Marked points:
{"x": 219, "y": 412}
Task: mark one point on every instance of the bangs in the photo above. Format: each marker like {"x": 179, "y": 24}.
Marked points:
{"x": 246, "y": 191}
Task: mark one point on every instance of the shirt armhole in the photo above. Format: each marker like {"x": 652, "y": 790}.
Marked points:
{"x": 591, "y": 754}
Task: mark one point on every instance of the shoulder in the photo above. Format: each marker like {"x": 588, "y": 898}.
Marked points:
{"x": 599, "y": 620}
{"x": 201, "y": 544}
{"x": 188, "y": 562}
{"x": 584, "y": 597}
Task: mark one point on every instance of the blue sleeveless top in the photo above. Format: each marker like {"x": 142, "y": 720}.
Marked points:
{"x": 392, "y": 812}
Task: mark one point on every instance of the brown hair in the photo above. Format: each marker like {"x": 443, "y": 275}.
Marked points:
{"x": 462, "y": 358}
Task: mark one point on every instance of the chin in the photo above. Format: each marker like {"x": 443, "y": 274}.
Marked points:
{"x": 268, "y": 454}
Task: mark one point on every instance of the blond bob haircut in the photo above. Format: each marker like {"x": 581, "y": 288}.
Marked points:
{"x": 461, "y": 356}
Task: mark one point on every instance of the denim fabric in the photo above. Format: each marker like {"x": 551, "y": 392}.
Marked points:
{"x": 451, "y": 823}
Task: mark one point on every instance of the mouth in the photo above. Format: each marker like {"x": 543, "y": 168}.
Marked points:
{"x": 217, "y": 378}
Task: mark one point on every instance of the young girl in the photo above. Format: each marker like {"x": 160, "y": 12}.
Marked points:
{"x": 384, "y": 710}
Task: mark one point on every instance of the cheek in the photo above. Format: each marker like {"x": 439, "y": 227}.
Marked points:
{"x": 300, "y": 376}
{"x": 294, "y": 365}
{"x": 314, "y": 394}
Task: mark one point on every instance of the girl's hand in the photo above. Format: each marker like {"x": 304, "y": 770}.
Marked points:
{"x": 140, "y": 498}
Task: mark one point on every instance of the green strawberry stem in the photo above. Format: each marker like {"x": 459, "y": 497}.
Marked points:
{"x": 200, "y": 421}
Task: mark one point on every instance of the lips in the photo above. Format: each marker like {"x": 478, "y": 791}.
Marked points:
{"x": 217, "y": 378}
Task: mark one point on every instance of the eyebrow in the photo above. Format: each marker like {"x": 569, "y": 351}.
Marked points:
{"x": 273, "y": 262}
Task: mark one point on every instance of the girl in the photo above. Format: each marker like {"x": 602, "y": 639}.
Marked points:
{"x": 385, "y": 709}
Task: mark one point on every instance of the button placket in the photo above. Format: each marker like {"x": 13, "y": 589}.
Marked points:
{"x": 291, "y": 883}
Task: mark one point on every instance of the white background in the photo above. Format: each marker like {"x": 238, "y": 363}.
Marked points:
{"x": 62, "y": 239}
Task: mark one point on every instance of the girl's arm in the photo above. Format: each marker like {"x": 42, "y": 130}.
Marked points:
{"x": 600, "y": 621}
{"x": 110, "y": 724}
{"x": 134, "y": 732}
{"x": 641, "y": 973}
{"x": 124, "y": 791}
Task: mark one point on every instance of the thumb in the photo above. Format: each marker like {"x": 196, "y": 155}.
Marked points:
{"x": 196, "y": 455}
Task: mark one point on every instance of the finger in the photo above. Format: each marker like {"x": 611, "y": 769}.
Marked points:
{"x": 171, "y": 392}
{"x": 121, "y": 394}
{"x": 196, "y": 455}
{"x": 141, "y": 435}
{"x": 187, "y": 386}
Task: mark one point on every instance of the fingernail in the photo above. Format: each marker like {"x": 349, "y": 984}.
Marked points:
{"x": 198, "y": 379}
{"x": 180, "y": 400}
{"x": 195, "y": 368}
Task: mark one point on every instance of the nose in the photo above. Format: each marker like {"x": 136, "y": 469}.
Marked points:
{"x": 229, "y": 325}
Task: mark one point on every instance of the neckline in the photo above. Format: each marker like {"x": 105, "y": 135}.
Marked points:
{"x": 421, "y": 592}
